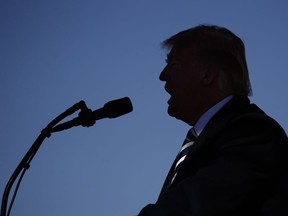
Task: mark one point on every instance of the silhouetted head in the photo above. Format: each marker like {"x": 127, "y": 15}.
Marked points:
{"x": 205, "y": 64}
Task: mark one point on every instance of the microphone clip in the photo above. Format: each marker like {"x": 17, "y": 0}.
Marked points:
{"x": 85, "y": 111}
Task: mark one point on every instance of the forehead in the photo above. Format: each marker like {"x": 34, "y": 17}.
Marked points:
{"x": 181, "y": 53}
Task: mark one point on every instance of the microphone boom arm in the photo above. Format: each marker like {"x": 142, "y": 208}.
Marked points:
{"x": 86, "y": 118}
{"x": 25, "y": 162}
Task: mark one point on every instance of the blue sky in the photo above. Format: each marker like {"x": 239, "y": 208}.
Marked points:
{"x": 56, "y": 53}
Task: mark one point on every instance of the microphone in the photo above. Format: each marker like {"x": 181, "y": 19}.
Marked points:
{"x": 87, "y": 117}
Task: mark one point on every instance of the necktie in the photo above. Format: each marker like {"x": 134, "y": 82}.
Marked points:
{"x": 188, "y": 142}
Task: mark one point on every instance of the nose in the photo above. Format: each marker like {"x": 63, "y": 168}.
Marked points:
{"x": 164, "y": 74}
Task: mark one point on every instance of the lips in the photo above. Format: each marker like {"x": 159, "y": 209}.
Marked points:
{"x": 169, "y": 90}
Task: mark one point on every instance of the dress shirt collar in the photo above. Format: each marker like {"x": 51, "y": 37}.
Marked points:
{"x": 204, "y": 119}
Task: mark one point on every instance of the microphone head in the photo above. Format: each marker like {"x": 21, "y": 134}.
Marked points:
{"x": 119, "y": 107}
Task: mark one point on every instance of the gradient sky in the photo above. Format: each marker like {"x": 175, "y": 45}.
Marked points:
{"x": 55, "y": 53}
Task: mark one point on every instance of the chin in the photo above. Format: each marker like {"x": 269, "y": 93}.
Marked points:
{"x": 171, "y": 112}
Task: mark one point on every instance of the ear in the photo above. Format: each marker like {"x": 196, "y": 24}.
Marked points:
{"x": 209, "y": 76}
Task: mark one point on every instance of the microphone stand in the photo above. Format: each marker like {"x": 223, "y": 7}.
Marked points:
{"x": 25, "y": 162}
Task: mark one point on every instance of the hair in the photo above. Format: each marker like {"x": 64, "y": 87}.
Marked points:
{"x": 215, "y": 46}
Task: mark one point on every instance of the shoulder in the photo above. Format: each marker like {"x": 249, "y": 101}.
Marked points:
{"x": 242, "y": 122}
{"x": 257, "y": 121}
{"x": 240, "y": 113}
{"x": 239, "y": 120}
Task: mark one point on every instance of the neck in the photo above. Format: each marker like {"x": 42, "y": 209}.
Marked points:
{"x": 206, "y": 102}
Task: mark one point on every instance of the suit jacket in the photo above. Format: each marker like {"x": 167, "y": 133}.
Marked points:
{"x": 237, "y": 166}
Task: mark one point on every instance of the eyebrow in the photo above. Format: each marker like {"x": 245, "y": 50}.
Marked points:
{"x": 170, "y": 56}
